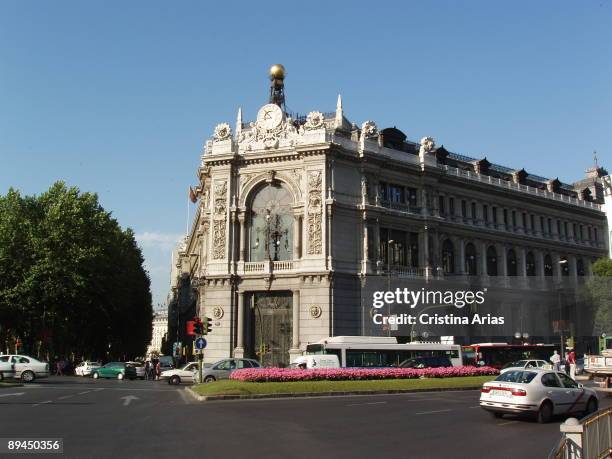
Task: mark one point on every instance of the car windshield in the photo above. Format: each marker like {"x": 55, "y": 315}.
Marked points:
{"x": 518, "y": 363}
{"x": 523, "y": 377}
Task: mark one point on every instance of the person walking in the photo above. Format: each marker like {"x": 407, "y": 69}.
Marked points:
{"x": 555, "y": 359}
{"x": 571, "y": 359}
{"x": 157, "y": 370}
{"x": 147, "y": 370}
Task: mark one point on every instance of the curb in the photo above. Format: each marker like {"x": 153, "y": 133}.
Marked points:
{"x": 210, "y": 398}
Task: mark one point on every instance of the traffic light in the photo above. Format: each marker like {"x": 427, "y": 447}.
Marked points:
{"x": 206, "y": 326}
{"x": 191, "y": 327}
{"x": 569, "y": 343}
{"x": 198, "y": 326}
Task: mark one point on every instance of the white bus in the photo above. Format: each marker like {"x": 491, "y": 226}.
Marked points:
{"x": 375, "y": 351}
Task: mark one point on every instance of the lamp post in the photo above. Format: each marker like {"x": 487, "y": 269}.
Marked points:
{"x": 390, "y": 244}
{"x": 561, "y": 266}
{"x": 272, "y": 233}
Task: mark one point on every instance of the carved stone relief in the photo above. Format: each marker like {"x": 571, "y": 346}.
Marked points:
{"x": 314, "y": 213}
{"x": 219, "y": 221}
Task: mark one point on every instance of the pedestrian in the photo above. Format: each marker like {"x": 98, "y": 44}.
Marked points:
{"x": 157, "y": 370}
{"x": 555, "y": 360}
{"x": 571, "y": 358}
{"x": 147, "y": 370}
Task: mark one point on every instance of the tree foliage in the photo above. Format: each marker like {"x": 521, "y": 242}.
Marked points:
{"x": 599, "y": 288}
{"x": 71, "y": 280}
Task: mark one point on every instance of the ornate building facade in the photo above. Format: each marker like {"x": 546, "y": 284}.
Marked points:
{"x": 294, "y": 214}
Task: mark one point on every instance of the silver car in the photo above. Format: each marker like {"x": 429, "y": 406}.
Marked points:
{"x": 539, "y": 392}
{"x": 527, "y": 364}
{"x": 223, "y": 368}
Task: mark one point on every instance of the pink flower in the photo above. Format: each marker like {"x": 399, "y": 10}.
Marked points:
{"x": 343, "y": 374}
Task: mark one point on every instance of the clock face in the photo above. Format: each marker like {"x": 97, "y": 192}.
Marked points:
{"x": 269, "y": 116}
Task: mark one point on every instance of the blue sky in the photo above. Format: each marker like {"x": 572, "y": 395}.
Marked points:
{"x": 118, "y": 97}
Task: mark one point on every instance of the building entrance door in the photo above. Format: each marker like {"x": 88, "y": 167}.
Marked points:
{"x": 269, "y": 327}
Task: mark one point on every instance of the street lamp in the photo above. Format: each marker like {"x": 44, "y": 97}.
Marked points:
{"x": 561, "y": 263}
{"x": 272, "y": 233}
{"x": 390, "y": 244}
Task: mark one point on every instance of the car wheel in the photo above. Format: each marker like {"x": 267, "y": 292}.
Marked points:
{"x": 120, "y": 376}
{"x": 210, "y": 379}
{"x": 175, "y": 380}
{"x": 95, "y": 375}
{"x": 28, "y": 376}
{"x": 545, "y": 413}
{"x": 497, "y": 415}
{"x": 591, "y": 406}
{"x": 1, "y": 376}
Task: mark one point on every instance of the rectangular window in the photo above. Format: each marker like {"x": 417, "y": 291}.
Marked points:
{"x": 581, "y": 233}
{"x": 589, "y": 233}
{"x": 525, "y": 220}
{"x": 542, "y": 227}
{"x": 549, "y": 226}
{"x": 514, "y": 218}
{"x": 505, "y": 216}
{"x": 494, "y": 212}
{"x": 412, "y": 196}
{"x": 485, "y": 213}
{"x": 451, "y": 206}
{"x": 396, "y": 194}
{"x": 532, "y": 217}
{"x": 595, "y": 237}
{"x": 474, "y": 211}
{"x": 384, "y": 192}
{"x": 559, "y": 227}
{"x": 463, "y": 208}
{"x": 565, "y": 229}
{"x": 441, "y": 204}
{"x": 574, "y": 230}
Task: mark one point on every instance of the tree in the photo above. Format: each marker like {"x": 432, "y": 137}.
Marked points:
{"x": 71, "y": 280}
{"x": 599, "y": 289}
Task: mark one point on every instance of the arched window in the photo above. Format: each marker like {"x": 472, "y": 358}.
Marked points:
{"x": 271, "y": 223}
{"x": 448, "y": 257}
{"x": 511, "y": 263}
{"x": 530, "y": 265}
{"x": 491, "y": 261}
{"x": 470, "y": 259}
{"x": 580, "y": 267}
{"x": 548, "y": 269}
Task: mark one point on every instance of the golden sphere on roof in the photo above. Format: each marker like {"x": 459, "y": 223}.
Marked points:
{"x": 277, "y": 72}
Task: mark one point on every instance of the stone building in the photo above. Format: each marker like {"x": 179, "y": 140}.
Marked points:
{"x": 295, "y": 213}
{"x": 160, "y": 330}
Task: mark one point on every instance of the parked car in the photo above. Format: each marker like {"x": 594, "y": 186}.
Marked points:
{"x": 166, "y": 362}
{"x": 119, "y": 370}
{"x": 179, "y": 375}
{"x": 86, "y": 368}
{"x": 223, "y": 368}
{"x": 538, "y": 392}
{"x": 316, "y": 361}
{"x": 526, "y": 365}
{"x": 24, "y": 367}
{"x": 140, "y": 369}
{"x": 426, "y": 362}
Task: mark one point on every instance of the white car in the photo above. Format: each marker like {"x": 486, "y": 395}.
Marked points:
{"x": 86, "y": 368}
{"x": 178, "y": 375}
{"x": 539, "y": 392}
{"x": 27, "y": 368}
{"x": 526, "y": 365}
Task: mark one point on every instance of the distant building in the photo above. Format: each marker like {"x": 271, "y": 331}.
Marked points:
{"x": 160, "y": 330}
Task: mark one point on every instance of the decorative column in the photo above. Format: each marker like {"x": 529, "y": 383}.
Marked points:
{"x": 297, "y": 236}
{"x": 522, "y": 262}
{"x": 365, "y": 261}
{"x": 570, "y": 232}
{"x": 241, "y": 220}
{"x": 483, "y": 259}
{"x": 376, "y": 254}
{"x": 539, "y": 255}
{"x": 239, "y": 351}
{"x": 556, "y": 267}
{"x": 502, "y": 260}
{"x": 460, "y": 259}
{"x": 295, "y": 338}
{"x": 572, "y": 265}
{"x": 500, "y": 218}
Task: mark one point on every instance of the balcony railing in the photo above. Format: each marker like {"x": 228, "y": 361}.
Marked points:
{"x": 268, "y": 266}
{"x": 518, "y": 187}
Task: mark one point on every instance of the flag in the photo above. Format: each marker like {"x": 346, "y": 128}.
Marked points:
{"x": 192, "y": 196}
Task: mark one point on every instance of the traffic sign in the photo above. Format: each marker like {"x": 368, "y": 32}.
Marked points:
{"x": 200, "y": 343}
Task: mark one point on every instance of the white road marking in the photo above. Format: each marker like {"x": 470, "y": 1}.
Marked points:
{"x": 433, "y": 412}
{"x": 43, "y": 403}
{"x": 506, "y": 423}
{"x": 85, "y": 392}
{"x": 16, "y": 394}
{"x": 184, "y": 396}
{"x": 128, "y": 399}
{"x": 477, "y": 406}
{"x": 65, "y": 396}
{"x": 368, "y": 403}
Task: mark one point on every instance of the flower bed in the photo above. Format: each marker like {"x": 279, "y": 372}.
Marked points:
{"x": 343, "y": 374}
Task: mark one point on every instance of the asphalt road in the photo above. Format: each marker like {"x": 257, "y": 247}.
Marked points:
{"x": 147, "y": 419}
